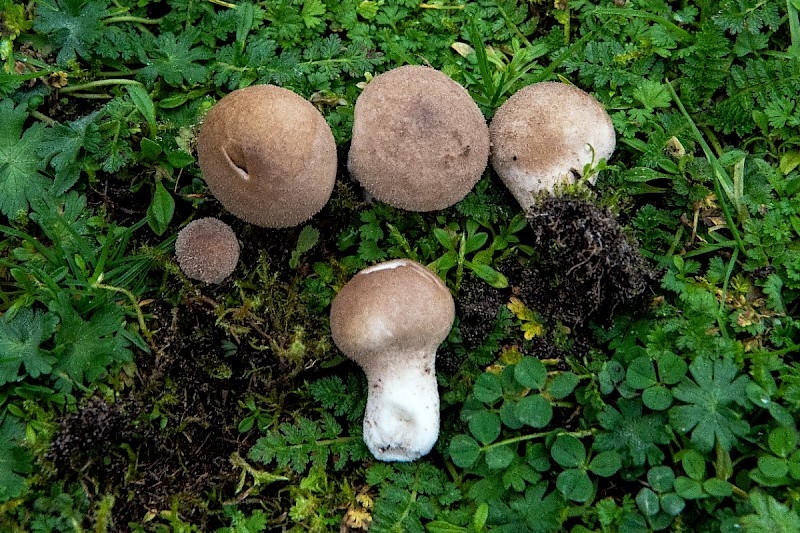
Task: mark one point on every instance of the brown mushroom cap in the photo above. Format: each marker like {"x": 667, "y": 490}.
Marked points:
{"x": 543, "y": 135}
{"x": 419, "y": 140}
{"x": 391, "y": 310}
{"x": 268, "y": 156}
{"x": 207, "y": 250}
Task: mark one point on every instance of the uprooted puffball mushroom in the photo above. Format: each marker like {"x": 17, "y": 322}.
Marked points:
{"x": 390, "y": 318}
{"x": 207, "y": 250}
{"x": 544, "y": 135}
{"x": 419, "y": 140}
{"x": 268, "y": 156}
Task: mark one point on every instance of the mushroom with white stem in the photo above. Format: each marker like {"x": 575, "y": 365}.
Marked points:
{"x": 390, "y": 318}
{"x": 207, "y": 250}
{"x": 544, "y": 135}
{"x": 268, "y": 156}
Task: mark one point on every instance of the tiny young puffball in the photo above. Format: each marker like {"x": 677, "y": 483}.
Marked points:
{"x": 207, "y": 250}
{"x": 390, "y": 319}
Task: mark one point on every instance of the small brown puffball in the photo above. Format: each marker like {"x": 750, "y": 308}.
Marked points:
{"x": 207, "y": 250}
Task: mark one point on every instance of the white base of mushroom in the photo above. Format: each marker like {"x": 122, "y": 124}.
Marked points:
{"x": 402, "y": 417}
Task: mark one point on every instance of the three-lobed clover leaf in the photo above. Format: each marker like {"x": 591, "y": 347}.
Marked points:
{"x": 694, "y": 485}
{"x": 783, "y": 464}
{"x": 631, "y": 433}
{"x": 707, "y": 412}
{"x": 641, "y": 374}
{"x": 658, "y": 502}
{"x": 574, "y": 482}
{"x": 516, "y": 385}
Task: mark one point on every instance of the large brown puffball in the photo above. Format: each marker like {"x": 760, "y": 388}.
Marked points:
{"x": 268, "y": 156}
{"x": 207, "y": 250}
{"x": 419, "y": 140}
{"x": 544, "y": 135}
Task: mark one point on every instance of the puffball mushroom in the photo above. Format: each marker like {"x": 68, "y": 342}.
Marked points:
{"x": 268, "y": 156}
{"x": 390, "y": 318}
{"x": 420, "y": 142}
{"x": 544, "y": 135}
{"x": 207, "y": 250}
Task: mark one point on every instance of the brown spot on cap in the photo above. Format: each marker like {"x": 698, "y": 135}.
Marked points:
{"x": 419, "y": 140}
{"x": 207, "y": 250}
{"x": 268, "y": 156}
{"x": 543, "y": 133}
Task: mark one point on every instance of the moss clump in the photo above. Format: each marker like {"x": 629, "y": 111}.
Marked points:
{"x": 586, "y": 267}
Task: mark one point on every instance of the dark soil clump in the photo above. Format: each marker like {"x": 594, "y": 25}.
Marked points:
{"x": 477, "y": 306}
{"x": 586, "y": 267}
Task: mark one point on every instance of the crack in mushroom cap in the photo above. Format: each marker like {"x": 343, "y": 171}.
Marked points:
{"x": 268, "y": 156}
{"x": 419, "y": 140}
{"x": 543, "y": 136}
{"x": 393, "y": 308}
{"x": 207, "y": 250}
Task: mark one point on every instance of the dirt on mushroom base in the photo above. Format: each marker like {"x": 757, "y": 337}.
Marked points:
{"x": 586, "y": 267}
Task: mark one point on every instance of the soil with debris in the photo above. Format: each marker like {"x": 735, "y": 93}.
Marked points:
{"x": 586, "y": 266}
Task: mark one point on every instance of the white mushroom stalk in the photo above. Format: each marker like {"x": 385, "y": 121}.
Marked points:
{"x": 390, "y": 319}
{"x": 401, "y": 422}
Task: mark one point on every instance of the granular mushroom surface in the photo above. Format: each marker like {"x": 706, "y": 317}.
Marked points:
{"x": 207, "y": 250}
{"x": 419, "y": 140}
{"x": 268, "y": 156}
{"x": 544, "y": 135}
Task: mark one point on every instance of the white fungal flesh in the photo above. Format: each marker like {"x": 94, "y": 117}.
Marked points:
{"x": 387, "y": 265}
{"x": 402, "y": 417}
{"x": 524, "y": 185}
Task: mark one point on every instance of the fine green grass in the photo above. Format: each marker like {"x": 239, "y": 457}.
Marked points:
{"x": 135, "y": 399}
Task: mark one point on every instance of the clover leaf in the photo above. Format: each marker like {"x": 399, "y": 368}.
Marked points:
{"x": 631, "y": 433}
{"x": 641, "y": 374}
